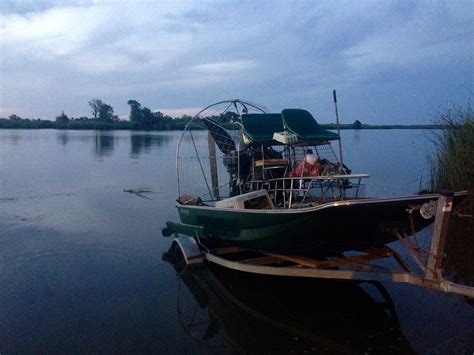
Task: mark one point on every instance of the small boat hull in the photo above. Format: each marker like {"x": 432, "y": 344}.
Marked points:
{"x": 331, "y": 227}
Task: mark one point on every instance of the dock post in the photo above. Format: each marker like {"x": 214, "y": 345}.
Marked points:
{"x": 434, "y": 264}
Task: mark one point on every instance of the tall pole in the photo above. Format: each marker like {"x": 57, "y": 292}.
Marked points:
{"x": 213, "y": 165}
{"x": 338, "y": 128}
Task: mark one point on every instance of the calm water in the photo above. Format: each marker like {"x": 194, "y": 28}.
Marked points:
{"x": 82, "y": 266}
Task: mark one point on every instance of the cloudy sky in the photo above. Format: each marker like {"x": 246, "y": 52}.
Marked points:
{"x": 390, "y": 61}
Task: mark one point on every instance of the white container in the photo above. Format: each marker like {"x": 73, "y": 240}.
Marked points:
{"x": 285, "y": 137}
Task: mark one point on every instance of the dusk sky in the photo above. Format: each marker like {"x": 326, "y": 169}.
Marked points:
{"x": 390, "y": 61}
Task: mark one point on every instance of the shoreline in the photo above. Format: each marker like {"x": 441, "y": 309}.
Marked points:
{"x": 126, "y": 126}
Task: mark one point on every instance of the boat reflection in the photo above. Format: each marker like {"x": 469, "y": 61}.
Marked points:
{"x": 257, "y": 314}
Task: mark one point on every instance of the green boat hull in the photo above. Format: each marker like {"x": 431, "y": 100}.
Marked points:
{"x": 336, "y": 226}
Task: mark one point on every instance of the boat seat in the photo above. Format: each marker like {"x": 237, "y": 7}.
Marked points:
{"x": 303, "y": 124}
{"x": 259, "y": 128}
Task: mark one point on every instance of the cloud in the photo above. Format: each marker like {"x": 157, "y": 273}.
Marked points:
{"x": 426, "y": 39}
{"x": 224, "y": 67}
{"x": 6, "y": 111}
{"x": 53, "y": 33}
{"x": 58, "y": 55}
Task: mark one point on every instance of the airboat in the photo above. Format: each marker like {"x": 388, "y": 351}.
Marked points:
{"x": 273, "y": 182}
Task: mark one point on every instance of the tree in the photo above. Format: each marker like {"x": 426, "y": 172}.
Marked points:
{"x": 102, "y": 111}
{"x": 147, "y": 117}
{"x": 161, "y": 121}
{"x": 229, "y": 117}
{"x": 106, "y": 113}
{"x": 62, "y": 118}
{"x": 135, "y": 111}
{"x": 95, "y": 105}
{"x": 143, "y": 115}
{"x": 357, "y": 124}
{"x": 159, "y": 115}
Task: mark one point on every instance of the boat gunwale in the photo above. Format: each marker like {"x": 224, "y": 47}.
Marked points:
{"x": 323, "y": 206}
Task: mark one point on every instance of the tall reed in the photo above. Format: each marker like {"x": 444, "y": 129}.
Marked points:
{"x": 452, "y": 159}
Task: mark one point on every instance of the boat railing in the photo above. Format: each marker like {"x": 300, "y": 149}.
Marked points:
{"x": 297, "y": 192}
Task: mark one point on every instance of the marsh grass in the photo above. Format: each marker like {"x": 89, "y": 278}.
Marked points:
{"x": 452, "y": 160}
{"x": 452, "y": 167}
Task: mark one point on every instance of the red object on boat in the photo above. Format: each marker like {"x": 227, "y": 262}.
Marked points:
{"x": 305, "y": 168}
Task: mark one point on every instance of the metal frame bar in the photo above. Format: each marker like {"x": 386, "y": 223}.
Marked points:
{"x": 328, "y": 186}
{"x": 398, "y": 277}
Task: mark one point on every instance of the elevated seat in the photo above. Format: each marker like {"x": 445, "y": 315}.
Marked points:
{"x": 259, "y": 128}
{"x": 303, "y": 124}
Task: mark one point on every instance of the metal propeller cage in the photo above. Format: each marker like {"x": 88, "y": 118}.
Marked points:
{"x": 207, "y": 152}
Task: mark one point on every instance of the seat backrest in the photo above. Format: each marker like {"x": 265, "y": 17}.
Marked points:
{"x": 303, "y": 124}
{"x": 259, "y": 128}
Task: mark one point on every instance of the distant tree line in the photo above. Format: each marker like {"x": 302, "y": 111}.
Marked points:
{"x": 142, "y": 118}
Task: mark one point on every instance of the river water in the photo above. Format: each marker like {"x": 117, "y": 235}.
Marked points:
{"x": 83, "y": 265}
